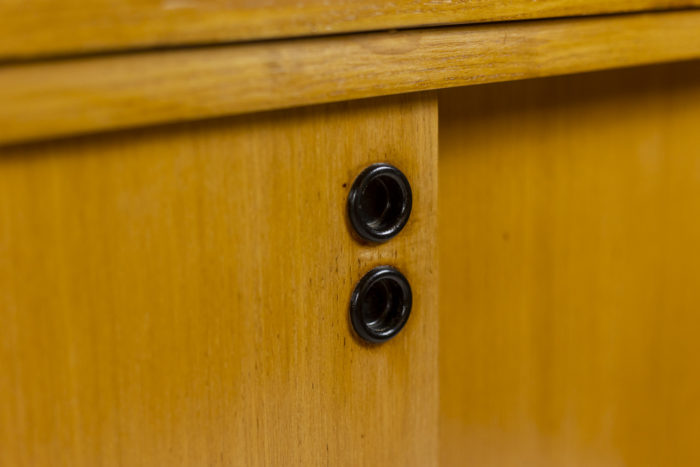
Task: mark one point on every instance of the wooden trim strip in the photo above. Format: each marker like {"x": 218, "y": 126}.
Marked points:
{"x": 30, "y": 28}
{"x": 92, "y": 94}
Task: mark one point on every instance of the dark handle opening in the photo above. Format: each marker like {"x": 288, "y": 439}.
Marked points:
{"x": 380, "y": 304}
{"x": 379, "y": 203}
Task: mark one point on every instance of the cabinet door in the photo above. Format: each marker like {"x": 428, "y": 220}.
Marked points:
{"x": 570, "y": 270}
{"x": 179, "y": 295}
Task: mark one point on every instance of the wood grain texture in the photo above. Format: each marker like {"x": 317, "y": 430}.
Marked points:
{"x": 79, "y": 96}
{"x": 569, "y": 223}
{"x": 37, "y": 27}
{"x": 179, "y": 295}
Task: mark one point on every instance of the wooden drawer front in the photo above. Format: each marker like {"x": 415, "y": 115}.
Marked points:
{"x": 180, "y": 294}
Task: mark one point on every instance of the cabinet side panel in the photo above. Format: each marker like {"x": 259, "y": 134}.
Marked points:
{"x": 570, "y": 270}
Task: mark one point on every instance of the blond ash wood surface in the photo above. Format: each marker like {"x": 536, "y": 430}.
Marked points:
{"x": 79, "y": 96}
{"x": 569, "y": 271}
{"x": 38, "y": 27}
{"x": 179, "y": 295}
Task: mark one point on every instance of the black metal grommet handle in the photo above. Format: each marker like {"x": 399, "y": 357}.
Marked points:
{"x": 379, "y": 203}
{"x": 380, "y": 304}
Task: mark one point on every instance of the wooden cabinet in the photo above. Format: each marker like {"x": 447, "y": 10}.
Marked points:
{"x": 177, "y": 263}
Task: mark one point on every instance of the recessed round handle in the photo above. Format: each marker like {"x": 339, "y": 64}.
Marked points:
{"x": 380, "y": 304}
{"x": 379, "y": 203}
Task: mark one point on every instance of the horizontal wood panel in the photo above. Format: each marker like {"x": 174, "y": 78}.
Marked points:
{"x": 39, "y": 27}
{"x": 179, "y": 295}
{"x": 569, "y": 269}
{"x": 84, "y": 95}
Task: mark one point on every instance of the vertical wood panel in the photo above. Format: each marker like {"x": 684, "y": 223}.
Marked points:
{"x": 570, "y": 270}
{"x": 179, "y": 295}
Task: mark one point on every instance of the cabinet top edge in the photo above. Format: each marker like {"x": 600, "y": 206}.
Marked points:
{"x": 31, "y": 29}
{"x": 56, "y": 98}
